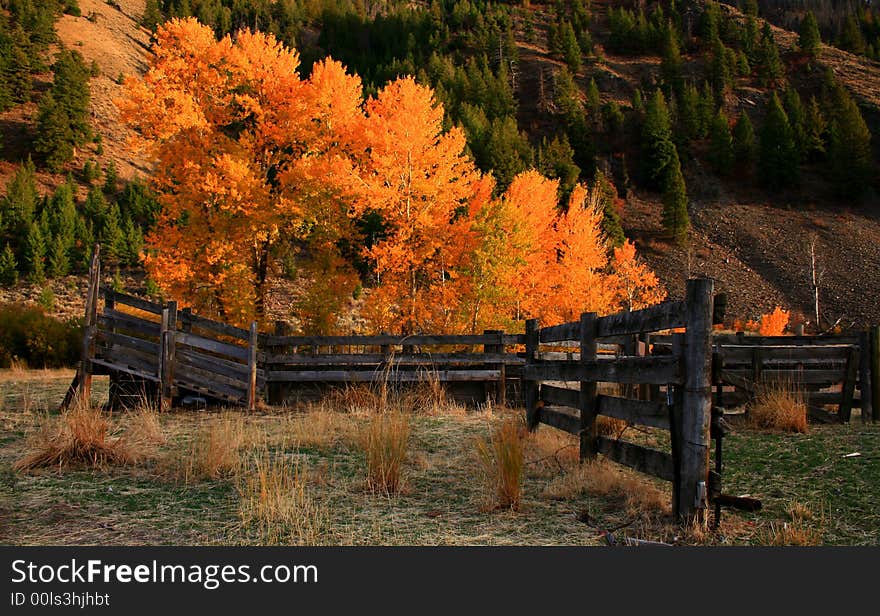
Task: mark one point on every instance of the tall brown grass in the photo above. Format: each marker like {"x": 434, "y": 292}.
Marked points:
{"x": 214, "y": 452}
{"x": 608, "y": 481}
{"x": 779, "y": 406}
{"x": 502, "y": 456}
{"x": 275, "y": 502}
{"x": 385, "y": 440}
{"x": 142, "y": 425}
{"x": 81, "y": 436}
{"x": 802, "y": 529}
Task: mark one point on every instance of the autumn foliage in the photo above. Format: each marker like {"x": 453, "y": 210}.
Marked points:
{"x": 251, "y": 160}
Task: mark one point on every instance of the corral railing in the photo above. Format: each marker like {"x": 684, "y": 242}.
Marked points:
{"x": 481, "y": 358}
{"x": 684, "y": 376}
{"x": 829, "y": 371}
{"x": 174, "y": 350}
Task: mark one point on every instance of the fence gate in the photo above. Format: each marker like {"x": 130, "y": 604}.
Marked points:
{"x": 680, "y": 386}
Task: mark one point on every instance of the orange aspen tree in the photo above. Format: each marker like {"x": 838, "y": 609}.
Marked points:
{"x": 580, "y": 282}
{"x": 530, "y": 206}
{"x": 636, "y": 286}
{"x": 418, "y": 179}
{"x": 208, "y": 113}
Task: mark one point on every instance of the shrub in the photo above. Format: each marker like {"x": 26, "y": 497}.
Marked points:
{"x": 27, "y": 333}
{"x": 503, "y": 459}
{"x": 773, "y": 324}
{"x": 779, "y": 406}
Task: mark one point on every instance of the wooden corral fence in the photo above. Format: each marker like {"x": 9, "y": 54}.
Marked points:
{"x": 162, "y": 352}
{"x": 830, "y": 371}
{"x": 684, "y": 407}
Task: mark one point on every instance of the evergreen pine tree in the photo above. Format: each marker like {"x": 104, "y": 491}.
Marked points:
{"x": 770, "y": 67}
{"x": 777, "y": 151}
{"x": 19, "y": 206}
{"x": 657, "y": 145}
{"x": 851, "y": 38}
{"x": 744, "y": 147}
{"x": 571, "y": 50}
{"x": 83, "y": 243}
{"x": 556, "y": 161}
{"x": 35, "y": 254}
{"x": 849, "y": 146}
{"x": 797, "y": 117}
{"x": 134, "y": 242}
{"x": 111, "y": 178}
{"x": 689, "y": 117}
{"x": 721, "y": 145}
{"x": 815, "y": 132}
{"x": 55, "y": 139}
{"x": 8, "y": 267}
{"x": 594, "y": 102}
{"x": 670, "y": 65}
{"x": 675, "y": 212}
{"x": 111, "y": 237}
{"x": 59, "y": 262}
{"x": 809, "y": 38}
{"x": 63, "y": 120}
{"x": 612, "y": 228}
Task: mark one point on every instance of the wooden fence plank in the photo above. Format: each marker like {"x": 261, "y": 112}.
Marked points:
{"x": 193, "y": 320}
{"x": 139, "y": 344}
{"x": 214, "y": 346}
{"x": 130, "y": 300}
{"x": 425, "y": 359}
{"x": 387, "y": 339}
{"x": 668, "y": 315}
{"x": 634, "y": 456}
{"x": 365, "y": 376}
{"x": 559, "y": 418}
{"x": 638, "y": 412}
{"x": 560, "y": 396}
{"x": 797, "y": 377}
{"x": 560, "y": 333}
{"x": 124, "y": 368}
{"x": 651, "y": 370}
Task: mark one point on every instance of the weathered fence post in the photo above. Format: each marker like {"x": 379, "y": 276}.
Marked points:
{"x": 589, "y": 389}
{"x": 168, "y": 342}
{"x": 847, "y": 394}
{"x": 89, "y": 327}
{"x": 496, "y": 348}
{"x": 696, "y": 401}
{"x": 252, "y": 368}
{"x": 867, "y": 400}
{"x": 875, "y": 373}
{"x": 530, "y": 387}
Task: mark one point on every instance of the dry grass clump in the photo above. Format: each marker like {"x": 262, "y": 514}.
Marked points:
{"x": 276, "y": 502}
{"x": 779, "y": 407}
{"x": 385, "y": 439}
{"x": 502, "y": 456}
{"x": 142, "y": 425}
{"x": 81, "y": 436}
{"x": 215, "y": 449}
{"x": 603, "y": 479}
{"x": 321, "y": 426}
{"x": 610, "y": 426}
{"x": 803, "y": 528}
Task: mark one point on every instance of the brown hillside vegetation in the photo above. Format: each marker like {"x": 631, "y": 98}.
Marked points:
{"x": 111, "y": 36}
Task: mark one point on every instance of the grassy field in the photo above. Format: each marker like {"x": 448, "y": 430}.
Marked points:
{"x": 299, "y": 475}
